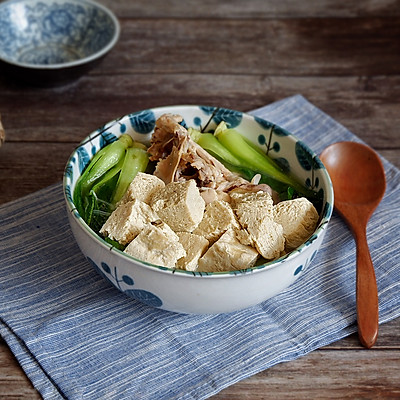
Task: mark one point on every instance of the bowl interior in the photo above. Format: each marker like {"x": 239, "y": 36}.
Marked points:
{"x": 54, "y": 32}
{"x": 293, "y": 154}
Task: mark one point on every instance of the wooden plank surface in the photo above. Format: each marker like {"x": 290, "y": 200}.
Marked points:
{"x": 252, "y": 9}
{"x": 342, "y": 56}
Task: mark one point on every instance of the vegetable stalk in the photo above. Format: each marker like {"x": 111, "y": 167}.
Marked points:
{"x": 107, "y": 177}
{"x": 240, "y": 155}
{"x": 136, "y": 160}
{"x": 106, "y": 159}
{"x": 252, "y": 158}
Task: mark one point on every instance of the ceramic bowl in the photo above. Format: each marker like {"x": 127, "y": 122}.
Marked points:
{"x": 56, "y": 41}
{"x": 199, "y": 292}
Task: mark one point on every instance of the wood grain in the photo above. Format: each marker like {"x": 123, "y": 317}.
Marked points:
{"x": 253, "y": 9}
{"x": 368, "y": 106}
{"x": 344, "y": 57}
{"x": 304, "y": 378}
{"x": 296, "y": 47}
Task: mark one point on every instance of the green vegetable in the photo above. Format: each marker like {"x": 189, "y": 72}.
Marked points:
{"x": 240, "y": 155}
{"x": 106, "y": 179}
{"x": 210, "y": 143}
{"x": 104, "y": 160}
{"x": 136, "y": 160}
{"x": 98, "y": 202}
{"x": 115, "y": 244}
{"x": 249, "y": 156}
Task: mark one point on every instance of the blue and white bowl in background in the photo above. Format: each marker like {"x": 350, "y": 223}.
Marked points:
{"x": 200, "y": 292}
{"x": 47, "y": 42}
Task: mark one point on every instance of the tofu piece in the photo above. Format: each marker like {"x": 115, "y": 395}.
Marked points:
{"x": 218, "y": 218}
{"x": 209, "y": 195}
{"x": 267, "y": 237}
{"x": 158, "y": 244}
{"x": 255, "y": 212}
{"x": 227, "y": 254}
{"x": 142, "y": 188}
{"x": 258, "y": 203}
{"x": 127, "y": 221}
{"x": 195, "y": 246}
{"x": 298, "y": 218}
{"x": 179, "y": 205}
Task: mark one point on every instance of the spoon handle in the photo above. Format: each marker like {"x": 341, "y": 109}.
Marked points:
{"x": 366, "y": 292}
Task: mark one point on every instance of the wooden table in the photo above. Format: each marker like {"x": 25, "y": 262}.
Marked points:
{"x": 342, "y": 56}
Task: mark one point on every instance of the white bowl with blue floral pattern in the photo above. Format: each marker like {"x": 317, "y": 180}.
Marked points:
{"x": 54, "y": 41}
{"x": 199, "y": 292}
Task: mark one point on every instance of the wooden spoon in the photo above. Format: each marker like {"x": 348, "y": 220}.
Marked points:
{"x": 358, "y": 180}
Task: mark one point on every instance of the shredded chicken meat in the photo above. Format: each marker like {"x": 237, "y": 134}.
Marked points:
{"x": 180, "y": 158}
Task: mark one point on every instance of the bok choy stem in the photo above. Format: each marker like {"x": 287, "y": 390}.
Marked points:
{"x": 210, "y": 143}
{"x": 110, "y": 156}
{"x": 136, "y": 160}
{"x": 253, "y": 159}
{"x": 107, "y": 177}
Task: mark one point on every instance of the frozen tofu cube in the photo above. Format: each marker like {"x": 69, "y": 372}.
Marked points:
{"x": 218, "y": 218}
{"x": 227, "y": 254}
{"x": 209, "y": 195}
{"x": 267, "y": 237}
{"x": 127, "y": 221}
{"x": 142, "y": 188}
{"x": 298, "y": 218}
{"x": 179, "y": 205}
{"x": 158, "y": 244}
{"x": 195, "y": 246}
{"x": 254, "y": 202}
{"x": 255, "y": 213}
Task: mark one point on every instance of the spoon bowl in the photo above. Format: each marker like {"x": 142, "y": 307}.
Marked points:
{"x": 365, "y": 184}
{"x": 358, "y": 180}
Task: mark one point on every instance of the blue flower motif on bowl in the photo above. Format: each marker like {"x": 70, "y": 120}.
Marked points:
{"x": 112, "y": 275}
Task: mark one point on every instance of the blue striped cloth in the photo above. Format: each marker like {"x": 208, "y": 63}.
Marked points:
{"x": 76, "y": 337}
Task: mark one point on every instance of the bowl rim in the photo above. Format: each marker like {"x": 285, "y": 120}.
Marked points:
{"x": 75, "y": 63}
{"x": 325, "y": 215}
